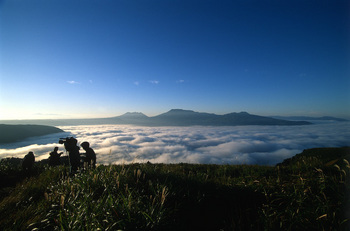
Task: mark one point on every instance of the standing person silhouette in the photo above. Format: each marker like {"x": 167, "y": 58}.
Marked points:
{"x": 70, "y": 144}
{"x": 90, "y": 157}
{"x": 74, "y": 155}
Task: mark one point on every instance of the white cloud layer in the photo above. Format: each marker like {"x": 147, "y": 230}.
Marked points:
{"x": 263, "y": 145}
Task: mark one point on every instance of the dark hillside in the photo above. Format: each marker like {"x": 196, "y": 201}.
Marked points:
{"x": 13, "y": 133}
{"x": 307, "y": 192}
{"x": 325, "y": 156}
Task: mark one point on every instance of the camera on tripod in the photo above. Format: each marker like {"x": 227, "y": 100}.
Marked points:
{"x": 69, "y": 143}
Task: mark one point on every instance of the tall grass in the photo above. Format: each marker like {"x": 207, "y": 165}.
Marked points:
{"x": 308, "y": 193}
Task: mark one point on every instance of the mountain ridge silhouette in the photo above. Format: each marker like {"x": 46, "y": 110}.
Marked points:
{"x": 173, "y": 117}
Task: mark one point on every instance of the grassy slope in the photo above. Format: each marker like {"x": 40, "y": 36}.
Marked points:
{"x": 305, "y": 192}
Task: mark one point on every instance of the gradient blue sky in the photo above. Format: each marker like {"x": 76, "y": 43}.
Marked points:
{"x": 77, "y": 59}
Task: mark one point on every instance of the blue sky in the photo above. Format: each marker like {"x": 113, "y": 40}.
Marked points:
{"x": 78, "y": 59}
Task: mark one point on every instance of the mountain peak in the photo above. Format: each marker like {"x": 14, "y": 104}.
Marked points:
{"x": 179, "y": 111}
{"x": 133, "y": 114}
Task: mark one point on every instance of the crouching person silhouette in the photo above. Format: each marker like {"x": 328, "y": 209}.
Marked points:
{"x": 54, "y": 159}
{"x": 90, "y": 156}
{"x": 28, "y": 162}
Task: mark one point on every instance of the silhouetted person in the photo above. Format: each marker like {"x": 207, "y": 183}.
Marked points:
{"x": 90, "y": 156}
{"x": 54, "y": 159}
{"x": 70, "y": 144}
{"x": 74, "y": 156}
{"x": 28, "y": 162}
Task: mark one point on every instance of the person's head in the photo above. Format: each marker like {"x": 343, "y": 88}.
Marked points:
{"x": 85, "y": 145}
{"x": 31, "y": 154}
{"x": 55, "y": 149}
{"x": 70, "y": 143}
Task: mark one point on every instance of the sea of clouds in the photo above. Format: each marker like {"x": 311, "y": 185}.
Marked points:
{"x": 262, "y": 145}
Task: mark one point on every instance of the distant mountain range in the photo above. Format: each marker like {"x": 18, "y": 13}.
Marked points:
{"x": 174, "y": 117}
{"x": 308, "y": 118}
{"x": 179, "y": 117}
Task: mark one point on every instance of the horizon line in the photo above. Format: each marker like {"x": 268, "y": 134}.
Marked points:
{"x": 139, "y": 112}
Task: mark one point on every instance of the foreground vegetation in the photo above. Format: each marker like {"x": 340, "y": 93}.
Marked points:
{"x": 307, "y": 192}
